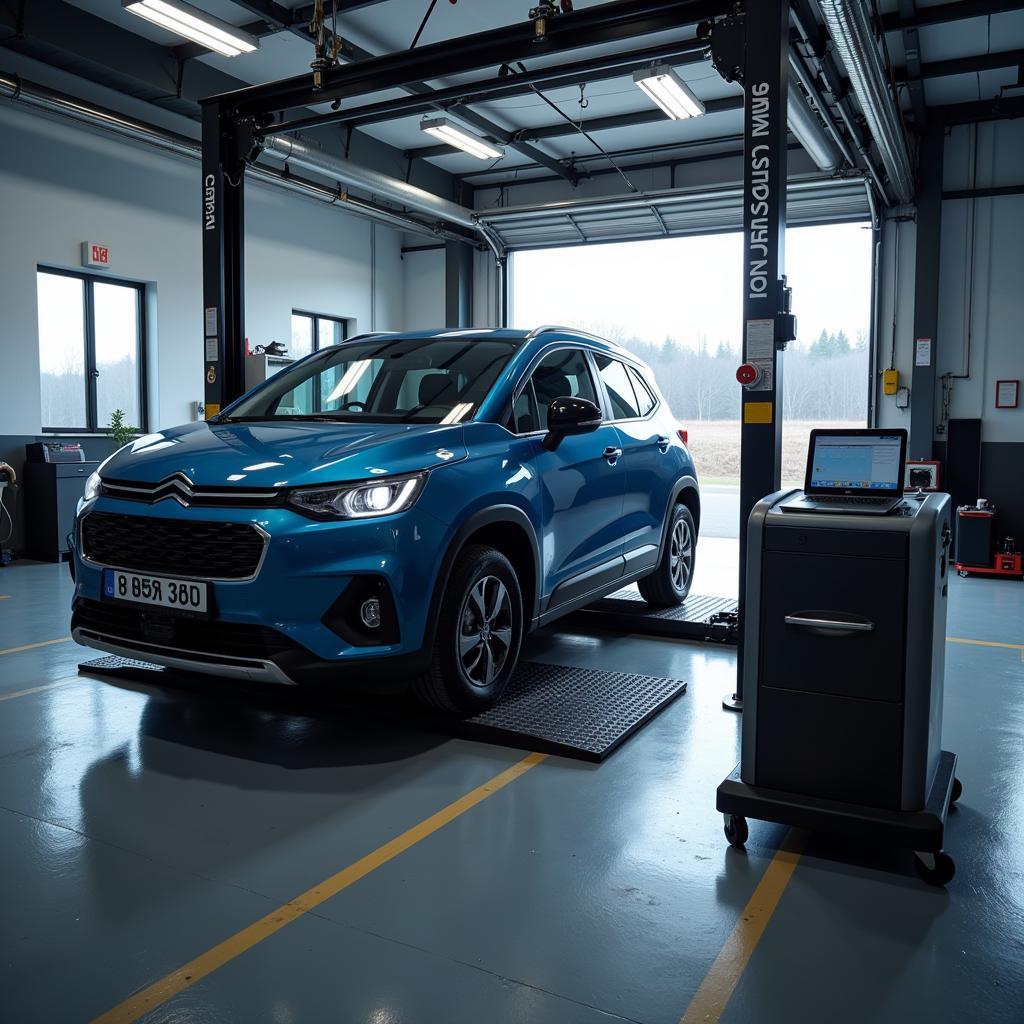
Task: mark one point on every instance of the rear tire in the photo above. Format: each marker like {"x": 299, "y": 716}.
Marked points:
{"x": 479, "y": 633}
{"x": 670, "y": 582}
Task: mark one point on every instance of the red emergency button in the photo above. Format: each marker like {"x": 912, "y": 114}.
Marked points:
{"x": 748, "y": 374}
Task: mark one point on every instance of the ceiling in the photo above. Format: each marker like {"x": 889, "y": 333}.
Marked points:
{"x": 953, "y": 64}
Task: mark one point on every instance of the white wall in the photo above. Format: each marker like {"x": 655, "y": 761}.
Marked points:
{"x": 982, "y": 291}
{"x": 61, "y": 184}
{"x": 423, "y": 303}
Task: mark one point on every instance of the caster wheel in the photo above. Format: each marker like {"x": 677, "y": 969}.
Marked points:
{"x": 935, "y": 868}
{"x": 736, "y": 831}
{"x": 963, "y": 572}
{"x": 958, "y": 791}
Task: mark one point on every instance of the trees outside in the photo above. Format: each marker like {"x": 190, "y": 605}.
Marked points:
{"x": 824, "y": 379}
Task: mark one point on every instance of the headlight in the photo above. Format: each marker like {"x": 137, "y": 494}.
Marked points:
{"x": 358, "y": 501}
{"x": 93, "y": 486}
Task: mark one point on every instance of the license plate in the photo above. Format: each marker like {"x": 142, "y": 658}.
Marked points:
{"x": 161, "y": 591}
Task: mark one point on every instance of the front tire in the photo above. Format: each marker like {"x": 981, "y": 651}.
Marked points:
{"x": 479, "y": 633}
{"x": 670, "y": 582}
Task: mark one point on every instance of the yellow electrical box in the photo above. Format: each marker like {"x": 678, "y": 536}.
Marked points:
{"x": 890, "y": 382}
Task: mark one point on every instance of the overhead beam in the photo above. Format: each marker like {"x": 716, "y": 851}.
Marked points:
{"x": 110, "y": 55}
{"x": 997, "y": 109}
{"x": 594, "y": 69}
{"x": 966, "y": 65}
{"x": 943, "y": 14}
{"x": 604, "y": 23}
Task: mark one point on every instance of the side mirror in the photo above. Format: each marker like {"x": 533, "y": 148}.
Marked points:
{"x": 567, "y": 416}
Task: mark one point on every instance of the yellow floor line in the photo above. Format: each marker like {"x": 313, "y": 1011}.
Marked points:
{"x": 39, "y": 689}
{"x": 195, "y": 970}
{"x": 32, "y": 647}
{"x": 984, "y": 643}
{"x": 5, "y": 597}
{"x": 718, "y": 985}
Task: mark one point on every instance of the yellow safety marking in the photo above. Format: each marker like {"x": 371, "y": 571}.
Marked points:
{"x": 757, "y": 412}
{"x": 32, "y": 647}
{"x": 206, "y": 963}
{"x": 987, "y": 643}
{"x": 718, "y": 985}
{"x": 38, "y": 689}
{"x": 5, "y": 597}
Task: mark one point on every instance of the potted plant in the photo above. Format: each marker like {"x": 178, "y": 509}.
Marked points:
{"x": 120, "y": 432}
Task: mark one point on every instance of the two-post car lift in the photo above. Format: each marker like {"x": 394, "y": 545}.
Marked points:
{"x": 234, "y": 125}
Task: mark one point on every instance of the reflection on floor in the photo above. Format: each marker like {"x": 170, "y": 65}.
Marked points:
{"x": 139, "y": 830}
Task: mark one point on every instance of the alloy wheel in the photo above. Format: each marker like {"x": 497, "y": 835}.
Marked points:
{"x": 485, "y": 630}
{"x": 681, "y": 555}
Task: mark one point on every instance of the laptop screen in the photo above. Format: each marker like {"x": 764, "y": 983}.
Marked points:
{"x": 861, "y": 462}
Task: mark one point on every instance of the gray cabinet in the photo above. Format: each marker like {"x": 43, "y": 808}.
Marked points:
{"x": 52, "y": 493}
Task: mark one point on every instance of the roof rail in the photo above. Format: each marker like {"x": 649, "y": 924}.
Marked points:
{"x": 566, "y": 330}
{"x": 371, "y": 334}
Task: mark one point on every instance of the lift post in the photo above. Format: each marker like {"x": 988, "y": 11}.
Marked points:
{"x": 753, "y": 47}
{"x": 223, "y": 221}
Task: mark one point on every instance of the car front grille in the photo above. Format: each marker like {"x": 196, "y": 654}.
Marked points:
{"x": 202, "y": 636}
{"x": 178, "y": 547}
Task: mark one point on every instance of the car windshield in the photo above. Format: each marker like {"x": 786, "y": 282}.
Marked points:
{"x": 384, "y": 380}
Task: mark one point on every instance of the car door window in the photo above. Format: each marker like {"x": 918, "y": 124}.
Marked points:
{"x": 620, "y": 390}
{"x": 645, "y": 399}
{"x": 563, "y": 373}
{"x": 524, "y": 412}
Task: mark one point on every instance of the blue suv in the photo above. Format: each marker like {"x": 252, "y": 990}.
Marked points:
{"x": 396, "y": 508}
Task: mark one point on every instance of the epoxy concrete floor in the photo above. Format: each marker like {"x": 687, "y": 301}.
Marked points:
{"x": 142, "y": 833}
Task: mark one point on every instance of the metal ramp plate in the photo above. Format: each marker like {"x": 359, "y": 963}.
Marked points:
{"x": 625, "y": 611}
{"x": 554, "y": 709}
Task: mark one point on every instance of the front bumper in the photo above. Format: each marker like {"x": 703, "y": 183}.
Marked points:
{"x": 305, "y": 568}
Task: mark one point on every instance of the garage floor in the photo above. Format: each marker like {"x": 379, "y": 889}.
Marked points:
{"x": 152, "y": 838}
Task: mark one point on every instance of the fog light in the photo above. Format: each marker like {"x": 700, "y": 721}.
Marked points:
{"x": 369, "y": 612}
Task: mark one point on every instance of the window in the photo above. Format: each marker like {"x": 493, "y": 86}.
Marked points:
{"x": 385, "y": 380}
{"x": 91, "y": 351}
{"x": 558, "y": 375}
{"x": 619, "y": 387}
{"x": 643, "y": 393}
{"x": 312, "y": 332}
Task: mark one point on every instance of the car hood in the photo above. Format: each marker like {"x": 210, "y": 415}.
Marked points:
{"x": 284, "y": 454}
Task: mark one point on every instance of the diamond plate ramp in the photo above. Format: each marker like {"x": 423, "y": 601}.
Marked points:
{"x": 625, "y": 611}
{"x": 555, "y": 709}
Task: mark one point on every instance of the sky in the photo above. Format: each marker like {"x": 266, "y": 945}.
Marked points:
{"x": 688, "y": 287}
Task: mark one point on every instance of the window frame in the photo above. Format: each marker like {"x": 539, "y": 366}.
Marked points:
{"x": 629, "y": 366}
{"x": 590, "y": 353}
{"x": 342, "y": 321}
{"x": 89, "y": 341}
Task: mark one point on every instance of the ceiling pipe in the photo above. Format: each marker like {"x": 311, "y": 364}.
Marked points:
{"x": 849, "y": 25}
{"x": 65, "y": 107}
{"x": 806, "y": 126}
{"x": 302, "y": 154}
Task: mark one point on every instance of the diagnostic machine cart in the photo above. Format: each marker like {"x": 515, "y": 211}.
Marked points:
{"x": 844, "y": 638}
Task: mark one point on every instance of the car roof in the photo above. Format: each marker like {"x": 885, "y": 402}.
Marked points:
{"x": 545, "y": 333}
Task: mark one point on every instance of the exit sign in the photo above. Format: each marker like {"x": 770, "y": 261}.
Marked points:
{"x": 95, "y": 255}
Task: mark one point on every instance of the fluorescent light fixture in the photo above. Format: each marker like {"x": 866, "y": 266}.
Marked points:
{"x": 185, "y": 20}
{"x": 443, "y": 129}
{"x": 669, "y": 91}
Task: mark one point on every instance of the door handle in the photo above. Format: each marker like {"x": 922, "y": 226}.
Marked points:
{"x": 612, "y": 455}
{"x": 829, "y": 627}
{"x": 663, "y": 443}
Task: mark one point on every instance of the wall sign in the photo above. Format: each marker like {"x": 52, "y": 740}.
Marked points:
{"x": 1007, "y": 394}
{"x": 923, "y": 352}
{"x": 95, "y": 254}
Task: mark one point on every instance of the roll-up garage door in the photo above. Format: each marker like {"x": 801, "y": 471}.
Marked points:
{"x": 810, "y": 200}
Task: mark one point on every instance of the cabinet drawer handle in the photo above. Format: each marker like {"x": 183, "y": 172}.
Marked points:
{"x": 831, "y": 625}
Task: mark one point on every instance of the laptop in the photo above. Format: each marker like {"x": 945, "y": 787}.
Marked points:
{"x": 853, "y": 471}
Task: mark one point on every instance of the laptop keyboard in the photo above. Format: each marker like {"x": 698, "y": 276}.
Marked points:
{"x": 837, "y": 499}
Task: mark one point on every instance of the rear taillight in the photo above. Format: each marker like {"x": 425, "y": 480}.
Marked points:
{"x": 684, "y": 435}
